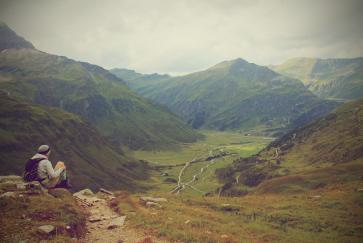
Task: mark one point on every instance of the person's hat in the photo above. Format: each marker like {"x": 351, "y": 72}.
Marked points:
{"x": 43, "y": 149}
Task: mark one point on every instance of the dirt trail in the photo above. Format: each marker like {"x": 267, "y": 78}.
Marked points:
{"x": 101, "y": 224}
{"x": 182, "y": 185}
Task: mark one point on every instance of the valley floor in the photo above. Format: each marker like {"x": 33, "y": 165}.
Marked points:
{"x": 217, "y": 150}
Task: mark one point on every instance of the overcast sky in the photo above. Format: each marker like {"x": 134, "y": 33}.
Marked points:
{"x": 181, "y": 36}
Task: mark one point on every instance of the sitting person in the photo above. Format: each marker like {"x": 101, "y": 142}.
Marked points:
{"x": 39, "y": 168}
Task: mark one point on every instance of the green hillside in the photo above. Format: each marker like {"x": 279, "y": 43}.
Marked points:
{"x": 328, "y": 78}
{"x": 234, "y": 95}
{"x": 325, "y": 151}
{"x": 92, "y": 161}
{"x": 93, "y": 93}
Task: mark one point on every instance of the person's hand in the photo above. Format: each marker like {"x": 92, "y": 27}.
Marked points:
{"x": 60, "y": 165}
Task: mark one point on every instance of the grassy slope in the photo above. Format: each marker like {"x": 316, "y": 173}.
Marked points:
{"x": 233, "y": 94}
{"x": 93, "y": 93}
{"x": 21, "y": 217}
{"x": 92, "y": 161}
{"x": 313, "y": 194}
{"x": 330, "y": 78}
{"x": 323, "y": 152}
{"x": 330, "y": 214}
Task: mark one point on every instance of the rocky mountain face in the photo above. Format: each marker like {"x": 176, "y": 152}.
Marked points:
{"x": 311, "y": 156}
{"x": 95, "y": 94}
{"x": 90, "y": 159}
{"x": 328, "y": 78}
{"x": 234, "y": 95}
{"x": 9, "y": 39}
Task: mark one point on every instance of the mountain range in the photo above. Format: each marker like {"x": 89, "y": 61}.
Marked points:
{"x": 328, "y": 78}
{"x": 233, "y": 95}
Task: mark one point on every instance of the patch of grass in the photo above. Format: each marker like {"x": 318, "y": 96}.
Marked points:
{"x": 21, "y": 217}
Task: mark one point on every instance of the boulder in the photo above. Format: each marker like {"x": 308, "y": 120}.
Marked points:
{"x": 117, "y": 222}
{"x": 46, "y": 229}
{"x": 84, "y": 192}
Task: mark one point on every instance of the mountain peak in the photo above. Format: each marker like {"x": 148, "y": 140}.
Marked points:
{"x": 230, "y": 63}
{"x": 10, "y": 40}
{"x": 249, "y": 70}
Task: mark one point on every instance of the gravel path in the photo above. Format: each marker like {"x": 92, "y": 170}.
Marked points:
{"x": 105, "y": 225}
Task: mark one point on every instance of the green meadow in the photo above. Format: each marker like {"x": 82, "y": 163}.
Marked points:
{"x": 233, "y": 144}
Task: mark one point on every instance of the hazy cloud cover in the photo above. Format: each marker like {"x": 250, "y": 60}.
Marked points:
{"x": 181, "y": 36}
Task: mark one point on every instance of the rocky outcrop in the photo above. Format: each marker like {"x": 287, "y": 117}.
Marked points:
{"x": 14, "y": 185}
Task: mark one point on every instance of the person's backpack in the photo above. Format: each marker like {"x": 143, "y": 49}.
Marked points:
{"x": 31, "y": 169}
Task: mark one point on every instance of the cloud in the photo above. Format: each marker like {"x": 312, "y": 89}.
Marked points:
{"x": 185, "y": 36}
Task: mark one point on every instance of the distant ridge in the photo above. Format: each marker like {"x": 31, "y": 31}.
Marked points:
{"x": 329, "y": 78}
{"x": 233, "y": 94}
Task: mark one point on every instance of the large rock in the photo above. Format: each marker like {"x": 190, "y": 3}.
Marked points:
{"x": 84, "y": 192}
